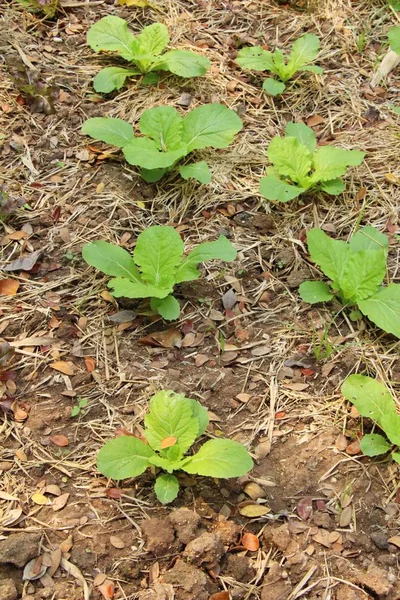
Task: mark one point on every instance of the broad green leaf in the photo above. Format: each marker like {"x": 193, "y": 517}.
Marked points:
{"x": 374, "y": 444}
{"x": 158, "y": 253}
{"x": 183, "y": 63}
{"x": 334, "y": 187}
{"x": 256, "y": 59}
{"x": 109, "y": 130}
{"x": 111, "y": 260}
{"x": 390, "y": 424}
{"x": 210, "y": 125}
{"x": 167, "y": 307}
{"x": 371, "y": 398}
{"x": 222, "y": 248}
{"x": 396, "y": 455}
{"x": 273, "y": 188}
{"x": 304, "y": 134}
{"x": 112, "y": 78}
{"x": 111, "y": 34}
{"x": 166, "y": 464}
{"x": 331, "y": 255}
{"x": 304, "y": 50}
{"x": 152, "y": 175}
{"x": 363, "y": 274}
{"x": 394, "y": 39}
{"x": 395, "y": 109}
{"x": 394, "y": 4}
{"x": 124, "y": 457}
{"x": 163, "y": 124}
{"x": 170, "y": 415}
{"x": 143, "y": 152}
{"x": 198, "y": 171}
{"x": 166, "y": 488}
{"x": 315, "y": 291}
{"x": 383, "y": 308}
{"x": 290, "y": 158}
{"x": 313, "y": 69}
{"x": 220, "y": 458}
{"x": 273, "y": 87}
{"x": 125, "y": 288}
{"x": 150, "y": 79}
{"x": 280, "y": 67}
{"x": 331, "y": 162}
{"x": 152, "y": 40}
{"x": 369, "y": 238}
{"x": 201, "y": 414}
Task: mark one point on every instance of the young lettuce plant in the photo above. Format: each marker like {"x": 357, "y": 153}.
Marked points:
{"x": 374, "y": 401}
{"x": 394, "y": 39}
{"x": 156, "y": 266}
{"x": 144, "y": 51}
{"x": 356, "y": 270}
{"x": 304, "y": 51}
{"x": 171, "y": 428}
{"x": 298, "y": 165}
{"x": 168, "y": 137}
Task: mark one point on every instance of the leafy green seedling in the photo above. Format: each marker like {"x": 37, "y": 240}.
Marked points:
{"x": 374, "y": 401}
{"x": 168, "y": 137}
{"x": 171, "y": 428}
{"x": 156, "y": 266}
{"x": 77, "y": 409}
{"x": 47, "y": 7}
{"x": 356, "y": 270}
{"x": 144, "y": 51}
{"x": 298, "y": 165}
{"x": 304, "y": 51}
{"x": 394, "y": 39}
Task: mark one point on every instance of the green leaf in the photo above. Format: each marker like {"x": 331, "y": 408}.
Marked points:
{"x": 158, "y": 253}
{"x": 334, "y": 187}
{"x": 167, "y": 307}
{"x": 369, "y": 238}
{"x": 111, "y": 34}
{"x": 143, "y": 152}
{"x": 124, "y": 288}
{"x": 166, "y": 464}
{"x": 394, "y": 39}
{"x": 183, "y": 63}
{"x": 273, "y": 87}
{"x": 273, "y": 188}
{"x": 304, "y": 134}
{"x": 331, "y": 162}
{"x": 256, "y": 59}
{"x": 390, "y": 424}
{"x": 371, "y": 398}
{"x": 150, "y": 79}
{"x": 163, "y": 124}
{"x": 166, "y": 488}
{"x": 111, "y": 260}
{"x": 170, "y": 416}
{"x": 383, "y": 308}
{"x": 362, "y": 275}
{"x": 290, "y": 158}
{"x": 373, "y": 444}
{"x": 201, "y": 414}
{"x": 112, "y": 78}
{"x": 198, "y": 171}
{"x": 396, "y": 455}
{"x": 315, "y": 291}
{"x": 152, "y": 175}
{"x": 220, "y": 458}
{"x": 280, "y": 67}
{"x": 109, "y": 130}
{"x": 124, "y": 457}
{"x": 395, "y": 109}
{"x": 331, "y": 255}
{"x": 304, "y": 50}
{"x": 210, "y": 125}
{"x": 313, "y": 69}
{"x": 152, "y": 40}
{"x": 222, "y": 248}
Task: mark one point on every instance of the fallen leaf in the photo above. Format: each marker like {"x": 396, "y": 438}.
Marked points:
{"x": 59, "y": 440}
{"x": 168, "y": 442}
{"x": 341, "y": 442}
{"x": 63, "y": 366}
{"x": 200, "y": 360}
{"x": 34, "y": 569}
{"x": 220, "y": 596}
{"x": 322, "y": 537}
{"x": 164, "y": 339}
{"x": 138, "y": 4}
{"x": 21, "y": 455}
{"x": 395, "y": 540}
{"x": 229, "y": 299}
{"x": 90, "y": 363}
{"x": 297, "y": 387}
{"x": 254, "y": 510}
{"x": 55, "y": 557}
{"x": 52, "y": 489}
{"x": 23, "y": 264}
{"x": 32, "y": 341}
{"x": 251, "y": 542}
{"x": 66, "y": 544}
{"x": 304, "y": 508}
{"x": 20, "y": 410}
{"x": 354, "y": 448}
{"x": 40, "y": 499}
{"x": 107, "y": 589}
{"x": 8, "y": 287}
{"x": 5, "y": 496}
{"x": 254, "y": 490}
{"x": 123, "y": 316}
{"x": 315, "y": 120}
{"x": 113, "y": 493}
{"x": 12, "y": 517}
{"x": 243, "y": 397}
{"x": 261, "y": 350}
{"x": 262, "y": 449}
{"x": 99, "y": 579}
{"x": 59, "y": 502}
{"x": 75, "y": 572}
{"x": 108, "y": 297}
{"x": 117, "y": 542}
{"x": 346, "y": 516}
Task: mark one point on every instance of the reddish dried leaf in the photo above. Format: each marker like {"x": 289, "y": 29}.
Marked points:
{"x": 113, "y": 493}
{"x": 162, "y": 339}
{"x": 307, "y": 372}
{"x": 107, "y": 589}
{"x": 168, "y": 442}
{"x": 304, "y": 508}
{"x": 20, "y": 410}
{"x": 90, "y": 364}
{"x": 280, "y": 415}
{"x": 59, "y": 440}
{"x": 8, "y": 287}
{"x": 251, "y": 542}
{"x": 220, "y": 596}
{"x": 354, "y": 448}
{"x": 63, "y": 367}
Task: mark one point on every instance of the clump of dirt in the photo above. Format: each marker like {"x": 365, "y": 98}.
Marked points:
{"x": 205, "y": 551}
{"x": 186, "y": 524}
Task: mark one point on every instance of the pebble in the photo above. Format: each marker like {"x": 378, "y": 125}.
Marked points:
{"x": 380, "y": 540}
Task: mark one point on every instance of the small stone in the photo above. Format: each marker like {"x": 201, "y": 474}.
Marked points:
{"x": 19, "y": 548}
{"x": 380, "y": 540}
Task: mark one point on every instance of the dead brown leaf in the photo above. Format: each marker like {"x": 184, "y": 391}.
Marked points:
{"x": 59, "y": 440}
{"x": 8, "y": 287}
{"x": 60, "y": 502}
{"x": 162, "y": 339}
{"x": 168, "y": 442}
{"x": 251, "y": 542}
{"x": 63, "y": 367}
